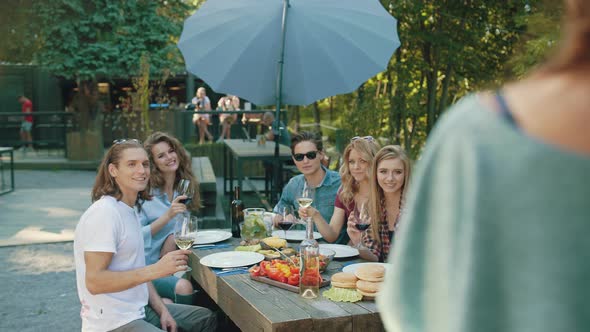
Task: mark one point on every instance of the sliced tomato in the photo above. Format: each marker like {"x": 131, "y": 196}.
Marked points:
{"x": 293, "y": 280}
{"x": 274, "y": 273}
{"x": 254, "y": 271}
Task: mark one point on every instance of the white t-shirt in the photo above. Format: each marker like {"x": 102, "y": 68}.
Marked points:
{"x": 110, "y": 226}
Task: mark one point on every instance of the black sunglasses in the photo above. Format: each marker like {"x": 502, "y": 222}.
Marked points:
{"x": 123, "y": 140}
{"x": 367, "y": 138}
{"x": 310, "y": 155}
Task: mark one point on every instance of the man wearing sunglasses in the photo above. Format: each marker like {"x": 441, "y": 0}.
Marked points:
{"x": 307, "y": 152}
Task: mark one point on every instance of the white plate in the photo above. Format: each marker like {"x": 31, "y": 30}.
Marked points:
{"x": 352, "y": 267}
{"x": 212, "y": 236}
{"x": 231, "y": 259}
{"x": 294, "y": 235}
{"x": 342, "y": 251}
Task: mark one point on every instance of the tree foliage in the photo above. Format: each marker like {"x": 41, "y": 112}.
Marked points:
{"x": 449, "y": 49}
{"x": 86, "y": 39}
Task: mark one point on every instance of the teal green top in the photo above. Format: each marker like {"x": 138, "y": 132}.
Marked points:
{"x": 496, "y": 235}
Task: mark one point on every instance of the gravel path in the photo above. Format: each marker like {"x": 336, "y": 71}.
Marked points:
{"x": 38, "y": 287}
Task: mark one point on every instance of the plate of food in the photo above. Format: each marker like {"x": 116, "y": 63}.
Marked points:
{"x": 341, "y": 250}
{"x": 211, "y": 236}
{"x": 231, "y": 259}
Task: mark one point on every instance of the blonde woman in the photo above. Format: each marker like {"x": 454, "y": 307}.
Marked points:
{"x": 354, "y": 191}
{"x": 390, "y": 176}
{"x": 202, "y": 103}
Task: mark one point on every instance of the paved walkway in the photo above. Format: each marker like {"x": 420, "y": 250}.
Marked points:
{"x": 45, "y": 206}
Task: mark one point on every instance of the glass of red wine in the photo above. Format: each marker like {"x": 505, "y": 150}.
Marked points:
{"x": 286, "y": 221}
{"x": 184, "y": 188}
{"x": 363, "y": 220}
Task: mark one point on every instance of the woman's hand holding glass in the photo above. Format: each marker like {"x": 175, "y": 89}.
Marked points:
{"x": 358, "y": 222}
{"x": 177, "y": 207}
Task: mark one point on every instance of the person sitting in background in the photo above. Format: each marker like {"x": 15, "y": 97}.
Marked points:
{"x": 113, "y": 281}
{"x": 390, "y": 178}
{"x": 170, "y": 163}
{"x": 354, "y": 191}
{"x": 494, "y": 236}
{"x": 227, "y": 103}
{"x": 307, "y": 151}
{"x": 267, "y": 121}
{"x": 202, "y": 103}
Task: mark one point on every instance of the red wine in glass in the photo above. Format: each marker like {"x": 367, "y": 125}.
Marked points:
{"x": 285, "y": 225}
{"x": 362, "y": 227}
{"x": 186, "y": 201}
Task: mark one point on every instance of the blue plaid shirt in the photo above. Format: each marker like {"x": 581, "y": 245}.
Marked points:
{"x": 325, "y": 195}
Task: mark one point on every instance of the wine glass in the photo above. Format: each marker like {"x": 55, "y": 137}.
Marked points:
{"x": 286, "y": 221}
{"x": 362, "y": 217}
{"x": 185, "y": 232}
{"x": 305, "y": 199}
{"x": 184, "y": 188}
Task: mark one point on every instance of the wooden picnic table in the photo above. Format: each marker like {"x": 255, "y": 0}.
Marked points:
{"x": 239, "y": 150}
{"x": 257, "y": 306}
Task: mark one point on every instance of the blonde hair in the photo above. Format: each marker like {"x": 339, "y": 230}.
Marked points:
{"x": 367, "y": 149}
{"x": 184, "y": 170}
{"x": 105, "y": 184}
{"x": 376, "y": 195}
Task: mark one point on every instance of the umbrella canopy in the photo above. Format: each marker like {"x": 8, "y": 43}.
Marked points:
{"x": 331, "y": 47}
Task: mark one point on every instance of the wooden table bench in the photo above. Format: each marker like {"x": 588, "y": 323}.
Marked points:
{"x": 212, "y": 211}
{"x": 256, "y": 306}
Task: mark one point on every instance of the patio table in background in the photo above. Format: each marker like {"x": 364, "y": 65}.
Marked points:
{"x": 239, "y": 150}
{"x": 256, "y": 306}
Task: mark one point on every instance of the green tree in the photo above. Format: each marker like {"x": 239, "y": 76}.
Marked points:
{"x": 89, "y": 40}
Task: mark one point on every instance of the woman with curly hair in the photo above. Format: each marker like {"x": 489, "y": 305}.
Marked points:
{"x": 170, "y": 163}
{"x": 390, "y": 176}
{"x": 354, "y": 190}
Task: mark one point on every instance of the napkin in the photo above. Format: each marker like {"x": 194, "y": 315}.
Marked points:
{"x": 222, "y": 273}
{"x": 214, "y": 246}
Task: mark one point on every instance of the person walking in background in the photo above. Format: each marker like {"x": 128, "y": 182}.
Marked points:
{"x": 27, "y": 123}
{"x": 494, "y": 236}
{"x": 354, "y": 191}
{"x": 202, "y": 103}
{"x": 307, "y": 151}
{"x": 390, "y": 177}
{"x": 170, "y": 163}
{"x": 113, "y": 281}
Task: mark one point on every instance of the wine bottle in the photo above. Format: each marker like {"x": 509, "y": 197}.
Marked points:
{"x": 309, "y": 280}
{"x": 237, "y": 213}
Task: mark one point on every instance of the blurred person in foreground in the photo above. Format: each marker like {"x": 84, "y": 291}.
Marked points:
{"x": 170, "y": 164}
{"x": 495, "y": 234}
{"x": 114, "y": 283}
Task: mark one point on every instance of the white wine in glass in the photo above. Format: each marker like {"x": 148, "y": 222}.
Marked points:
{"x": 185, "y": 232}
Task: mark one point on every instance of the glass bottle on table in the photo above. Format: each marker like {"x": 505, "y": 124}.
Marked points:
{"x": 237, "y": 213}
{"x": 309, "y": 249}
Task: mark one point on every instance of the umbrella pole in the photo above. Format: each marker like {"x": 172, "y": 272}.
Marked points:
{"x": 275, "y": 193}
